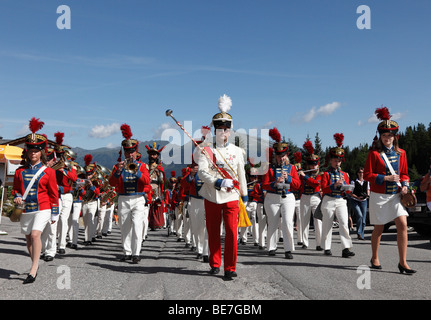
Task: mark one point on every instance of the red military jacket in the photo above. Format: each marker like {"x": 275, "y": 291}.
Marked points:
{"x": 43, "y": 194}
{"x": 269, "y": 179}
{"x": 310, "y": 185}
{"x": 65, "y": 180}
{"x": 376, "y": 169}
{"x": 129, "y": 183}
{"x": 329, "y": 177}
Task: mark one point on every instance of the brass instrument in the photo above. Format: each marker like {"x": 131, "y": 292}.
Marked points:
{"x": 108, "y": 194}
{"x": 130, "y": 165}
{"x": 63, "y": 162}
{"x": 60, "y": 164}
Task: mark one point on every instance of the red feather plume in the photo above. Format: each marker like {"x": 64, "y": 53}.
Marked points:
{"x": 383, "y": 113}
{"x": 308, "y": 146}
{"x": 126, "y": 131}
{"x": 275, "y": 134}
{"x": 35, "y": 124}
{"x": 87, "y": 159}
{"x": 298, "y": 157}
{"x": 173, "y": 174}
{"x": 59, "y": 137}
{"x": 339, "y": 138}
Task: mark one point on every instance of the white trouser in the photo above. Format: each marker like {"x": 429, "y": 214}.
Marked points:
{"x": 101, "y": 219}
{"x": 107, "y": 223}
{"x": 275, "y": 206}
{"x": 179, "y": 217}
{"x": 63, "y": 222}
{"x": 332, "y": 207}
{"x": 187, "y": 223}
{"x": 262, "y": 221}
{"x": 298, "y": 220}
{"x": 146, "y": 221}
{"x": 49, "y": 239}
{"x": 196, "y": 209}
{"x": 131, "y": 211}
{"x": 308, "y": 205}
{"x": 89, "y": 210}
{"x": 74, "y": 222}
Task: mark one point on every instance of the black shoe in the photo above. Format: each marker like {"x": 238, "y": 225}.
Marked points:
{"x": 136, "y": 259}
{"x": 407, "y": 271}
{"x": 328, "y": 253}
{"x": 126, "y": 257}
{"x": 304, "y": 246}
{"x": 319, "y": 248}
{"x": 187, "y": 245}
{"x": 347, "y": 253}
{"x": 74, "y": 246}
{"x": 205, "y": 259}
{"x": 229, "y": 275}
{"x": 373, "y": 266}
{"x": 61, "y": 251}
{"x": 199, "y": 256}
{"x": 271, "y": 253}
{"x": 104, "y": 234}
{"x": 48, "y": 258}
{"x": 214, "y": 270}
{"x": 288, "y": 255}
{"x": 29, "y": 279}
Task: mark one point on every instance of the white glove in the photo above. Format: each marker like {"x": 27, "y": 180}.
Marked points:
{"x": 227, "y": 183}
{"x": 54, "y": 217}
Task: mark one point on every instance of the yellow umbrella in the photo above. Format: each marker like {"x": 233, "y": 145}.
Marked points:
{"x": 10, "y": 152}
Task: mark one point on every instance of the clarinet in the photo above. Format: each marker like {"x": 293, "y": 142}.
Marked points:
{"x": 283, "y": 191}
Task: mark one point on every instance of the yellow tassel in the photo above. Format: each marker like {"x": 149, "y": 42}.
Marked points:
{"x": 243, "y": 220}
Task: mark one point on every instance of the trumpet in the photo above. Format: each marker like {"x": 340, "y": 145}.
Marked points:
{"x": 130, "y": 165}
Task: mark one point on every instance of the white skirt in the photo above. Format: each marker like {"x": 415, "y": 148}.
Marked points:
{"x": 385, "y": 208}
{"x": 35, "y": 221}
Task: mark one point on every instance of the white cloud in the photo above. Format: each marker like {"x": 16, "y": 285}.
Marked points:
{"x": 326, "y": 110}
{"x": 329, "y": 108}
{"x": 102, "y": 131}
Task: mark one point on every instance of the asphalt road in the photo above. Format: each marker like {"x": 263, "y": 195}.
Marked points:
{"x": 169, "y": 271}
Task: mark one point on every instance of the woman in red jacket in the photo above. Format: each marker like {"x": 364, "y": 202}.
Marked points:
{"x": 385, "y": 201}
{"x": 41, "y": 200}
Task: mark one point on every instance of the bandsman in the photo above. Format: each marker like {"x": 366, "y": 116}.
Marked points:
{"x": 335, "y": 184}
{"x": 66, "y": 176}
{"x": 278, "y": 182}
{"x": 310, "y": 196}
{"x": 130, "y": 177}
{"x": 157, "y": 179}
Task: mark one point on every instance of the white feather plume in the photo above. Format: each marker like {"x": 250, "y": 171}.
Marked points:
{"x": 224, "y": 103}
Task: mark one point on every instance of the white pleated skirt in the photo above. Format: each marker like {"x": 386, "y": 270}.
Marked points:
{"x": 385, "y": 208}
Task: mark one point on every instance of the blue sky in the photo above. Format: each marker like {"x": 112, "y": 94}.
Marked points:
{"x": 301, "y": 66}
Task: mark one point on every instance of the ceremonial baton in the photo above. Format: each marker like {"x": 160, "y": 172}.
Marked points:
{"x": 169, "y": 114}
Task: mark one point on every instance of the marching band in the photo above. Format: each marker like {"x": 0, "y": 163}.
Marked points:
{"x": 220, "y": 188}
